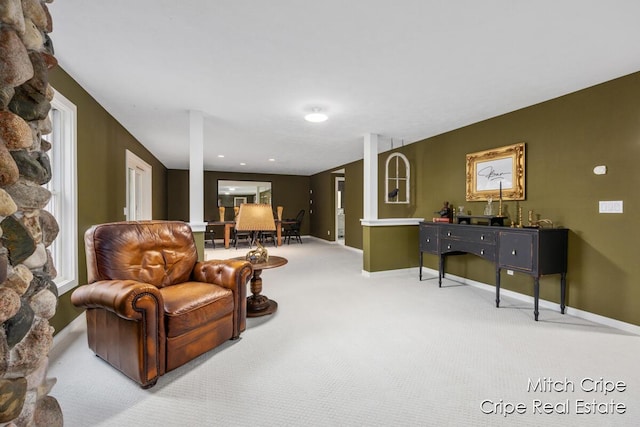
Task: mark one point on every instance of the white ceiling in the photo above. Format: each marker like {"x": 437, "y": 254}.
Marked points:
{"x": 404, "y": 69}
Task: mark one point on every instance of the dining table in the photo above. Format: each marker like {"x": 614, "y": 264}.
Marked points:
{"x": 228, "y": 226}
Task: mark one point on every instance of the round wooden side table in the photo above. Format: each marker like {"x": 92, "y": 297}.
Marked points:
{"x": 258, "y": 304}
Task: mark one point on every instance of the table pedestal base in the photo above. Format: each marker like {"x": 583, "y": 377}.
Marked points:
{"x": 260, "y": 305}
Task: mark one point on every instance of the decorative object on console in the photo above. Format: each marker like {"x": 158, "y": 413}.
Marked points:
{"x": 499, "y": 172}
{"x": 488, "y": 210}
{"x": 446, "y": 213}
{"x": 537, "y": 223}
{"x": 500, "y": 214}
{"x": 435, "y": 219}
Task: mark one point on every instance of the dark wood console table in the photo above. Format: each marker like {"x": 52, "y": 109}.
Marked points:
{"x": 533, "y": 251}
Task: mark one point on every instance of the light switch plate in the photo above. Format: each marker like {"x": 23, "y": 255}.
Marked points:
{"x": 610, "y": 206}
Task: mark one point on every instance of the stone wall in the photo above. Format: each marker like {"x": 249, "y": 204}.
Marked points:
{"x": 28, "y": 296}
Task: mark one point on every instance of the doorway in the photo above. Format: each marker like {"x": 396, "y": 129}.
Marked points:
{"x": 138, "y": 189}
{"x": 340, "y": 214}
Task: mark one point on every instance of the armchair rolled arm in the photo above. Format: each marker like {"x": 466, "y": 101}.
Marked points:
{"x": 135, "y": 302}
{"x": 128, "y": 299}
{"x": 228, "y": 273}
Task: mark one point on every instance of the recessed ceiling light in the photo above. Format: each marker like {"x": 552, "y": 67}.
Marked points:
{"x": 317, "y": 116}
{"x": 221, "y": 155}
{"x": 272, "y": 160}
{"x": 243, "y": 164}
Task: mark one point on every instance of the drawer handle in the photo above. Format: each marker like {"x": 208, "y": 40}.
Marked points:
{"x": 482, "y": 237}
{"x": 448, "y": 233}
{"x": 448, "y": 246}
{"x": 482, "y": 252}
{"x": 428, "y": 240}
{"x": 513, "y": 252}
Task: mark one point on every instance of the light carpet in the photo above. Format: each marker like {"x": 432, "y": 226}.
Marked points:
{"x": 388, "y": 350}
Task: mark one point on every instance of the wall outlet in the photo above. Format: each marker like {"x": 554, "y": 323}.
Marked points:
{"x": 510, "y": 272}
{"x": 328, "y": 232}
{"x": 610, "y": 206}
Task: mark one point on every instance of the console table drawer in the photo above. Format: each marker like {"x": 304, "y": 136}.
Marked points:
{"x": 516, "y": 251}
{"x": 484, "y": 250}
{"x": 429, "y": 239}
{"x": 469, "y": 234}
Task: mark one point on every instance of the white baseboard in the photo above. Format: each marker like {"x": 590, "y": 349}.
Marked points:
{"x": 592, "y": 317}
{"x": 77, "y": 323}
{"x": 333, "y": 242}
{"x": 389, "y": 273}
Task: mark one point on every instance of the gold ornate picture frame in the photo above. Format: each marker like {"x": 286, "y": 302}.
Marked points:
{"x": 496, "y": 173}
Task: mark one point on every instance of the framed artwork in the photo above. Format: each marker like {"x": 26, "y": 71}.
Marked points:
{"x": 496, "y": 173}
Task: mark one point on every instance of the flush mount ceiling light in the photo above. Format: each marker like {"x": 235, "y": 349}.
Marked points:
{"x": 317, "y": 116}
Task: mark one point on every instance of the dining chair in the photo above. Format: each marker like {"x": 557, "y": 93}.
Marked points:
{"x": 247, "y": 236}
{"x": 210, "y": 236}
{"x": 293, "y": 230}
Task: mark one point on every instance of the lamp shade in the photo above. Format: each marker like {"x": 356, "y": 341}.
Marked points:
{"x": 255, "y": 217}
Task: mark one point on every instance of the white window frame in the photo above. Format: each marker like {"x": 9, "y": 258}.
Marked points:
{"x": 63, "y": 186}
{"x": 138, "y": 192}
{"x": 396, "y": 179}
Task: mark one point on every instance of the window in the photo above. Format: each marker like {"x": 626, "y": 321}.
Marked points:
{"x": 63, "y": 203}
{"x": 397, "y": 179}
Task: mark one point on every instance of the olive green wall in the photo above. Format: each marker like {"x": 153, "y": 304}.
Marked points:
{"x": 354, "y": 204}
{"x": 323, "y": 205}
{"x": 323, "y": 224}
{"x": 101, "y": 145}
{"x": 289, "y": 191}
{"x": 565, "y": 138}
{"x": 399, "y": 250}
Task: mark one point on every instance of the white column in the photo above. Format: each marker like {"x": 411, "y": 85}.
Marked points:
{"x": 370, "y": 179}
{"x": 196, "y": 171}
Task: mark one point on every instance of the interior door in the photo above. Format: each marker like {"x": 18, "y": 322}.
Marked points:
{"x": 139, "y": 175}
{"x": 340, "y": 214}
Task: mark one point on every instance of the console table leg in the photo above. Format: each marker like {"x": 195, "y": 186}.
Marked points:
{"x": 440, "y": 271}
{"x": 536, "y": 296}
{"x": 420, "y": 266}
{"x": 497, "y": 287}
{"x": 563, "y": 289}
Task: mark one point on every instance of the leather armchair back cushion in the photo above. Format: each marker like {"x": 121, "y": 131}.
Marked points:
{"x": 160, "y": 253}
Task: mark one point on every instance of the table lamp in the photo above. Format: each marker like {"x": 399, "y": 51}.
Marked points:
{"x": 256, "y": 217}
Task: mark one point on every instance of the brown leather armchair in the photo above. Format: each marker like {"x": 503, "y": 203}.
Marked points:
{"x": 151, "y": 306}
